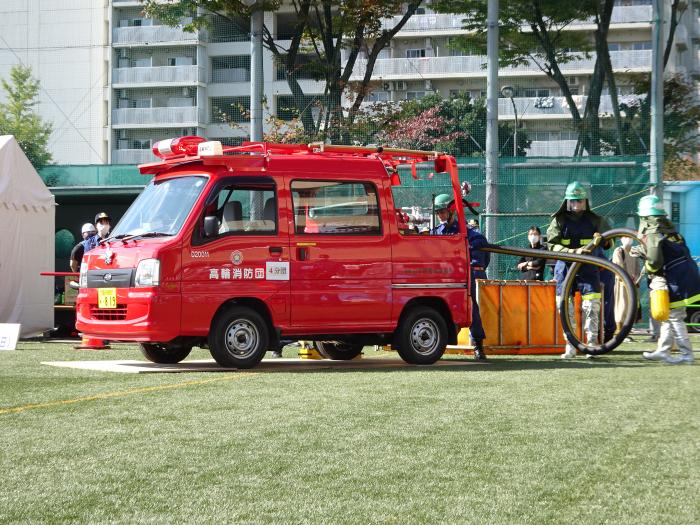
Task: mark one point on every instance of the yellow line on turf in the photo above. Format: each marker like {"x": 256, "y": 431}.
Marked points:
{"x": 121, "y": 393}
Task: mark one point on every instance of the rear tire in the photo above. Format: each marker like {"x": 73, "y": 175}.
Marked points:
{"x": 339, "y": 351}
{"x": 421, "y": 337}
{"x": 163, "y": 353}
{"x": 694, "y": 317}
{"x": 238, "y": 338}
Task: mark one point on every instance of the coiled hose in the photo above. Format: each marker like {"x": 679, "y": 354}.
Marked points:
{"x": 577, "y": 260}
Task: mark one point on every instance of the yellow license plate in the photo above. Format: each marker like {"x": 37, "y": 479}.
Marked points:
{"x": 106, "y": 297}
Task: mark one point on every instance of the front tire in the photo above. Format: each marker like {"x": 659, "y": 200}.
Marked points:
{"x": 421, "y": 337}
{"x": 238, "y": 338}
{"x": 164, "y": 354}
{"x": 338, "y": 351}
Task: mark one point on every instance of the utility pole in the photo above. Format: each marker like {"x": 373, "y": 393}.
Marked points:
{"x": 256, "y": 90}
{"x": 656, "y": 160}
{"x": 492, "y": 125}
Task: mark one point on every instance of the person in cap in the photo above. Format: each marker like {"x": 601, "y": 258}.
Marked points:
{"x": 103, "y": 224}
{"x": 76, "y": 254}
{"x": 88, "y": 230}
{"x": 572, "y": 228}
{"x": 479, "y": 261}
{"x": 669, "y": 266}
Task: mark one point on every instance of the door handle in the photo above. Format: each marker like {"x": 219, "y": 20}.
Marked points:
{"x": 275, "y": 250}
{"x": 302, "y": 253}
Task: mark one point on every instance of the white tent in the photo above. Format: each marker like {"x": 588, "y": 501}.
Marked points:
{"x": 27, "y": 222}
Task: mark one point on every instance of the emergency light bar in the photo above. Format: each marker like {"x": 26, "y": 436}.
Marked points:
{"x": 171, "y": 148}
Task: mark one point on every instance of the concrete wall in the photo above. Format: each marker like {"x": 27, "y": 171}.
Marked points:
{"x": 66, "y": 43}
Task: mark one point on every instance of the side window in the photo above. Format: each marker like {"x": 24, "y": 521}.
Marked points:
{"x": 335, "y": 207}
{"x": 245, "y": 210}
{"x": 413, "y": 210}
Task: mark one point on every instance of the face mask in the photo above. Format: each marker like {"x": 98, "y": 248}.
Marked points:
{"x": 534, "y": 239}
{"x": 103, "y": 229}
{"x": 626, "y": 242}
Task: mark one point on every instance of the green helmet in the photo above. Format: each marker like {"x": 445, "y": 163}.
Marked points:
{"x": 443, "y": 201}
{"x": 575, "y": 191}
{"x": 650, "y": 205}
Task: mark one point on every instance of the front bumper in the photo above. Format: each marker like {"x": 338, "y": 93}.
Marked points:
{"x": 142, "y": 314}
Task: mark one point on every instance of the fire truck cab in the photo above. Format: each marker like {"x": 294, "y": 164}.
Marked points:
{"x": 236, "y": 248}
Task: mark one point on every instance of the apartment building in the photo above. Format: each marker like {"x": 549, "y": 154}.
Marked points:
{"x": 114, "y": 82}
{"x": 421, "y": 60}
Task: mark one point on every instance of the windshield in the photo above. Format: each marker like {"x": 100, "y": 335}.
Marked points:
{"x": 161, "y": 208}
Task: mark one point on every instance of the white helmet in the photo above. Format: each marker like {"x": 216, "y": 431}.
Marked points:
{"x": 88, "y": 227}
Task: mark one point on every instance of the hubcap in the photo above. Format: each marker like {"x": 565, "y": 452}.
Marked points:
{"x": 242, "y": 338}
{"x": 424, "y": 336}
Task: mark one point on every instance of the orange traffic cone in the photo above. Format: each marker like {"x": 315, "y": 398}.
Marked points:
{"x": 91, "y": 343}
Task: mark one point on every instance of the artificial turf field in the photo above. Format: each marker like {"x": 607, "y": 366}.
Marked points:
{"x": 518, "y": 440}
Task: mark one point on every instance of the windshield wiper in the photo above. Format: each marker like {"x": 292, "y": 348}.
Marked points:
{"x": 113, "y": 238}
{"x": 127, "y": 238}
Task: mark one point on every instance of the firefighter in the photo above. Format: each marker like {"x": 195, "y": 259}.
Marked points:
{"x": 574, "y": 226}
{"x": 445, "y": 209}
{"x": 668, "y": 265}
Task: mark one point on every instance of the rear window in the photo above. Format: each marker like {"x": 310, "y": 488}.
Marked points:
{"x": 335, "y": 207}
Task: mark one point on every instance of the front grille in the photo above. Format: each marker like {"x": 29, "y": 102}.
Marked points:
{"x": 108, "y": 314}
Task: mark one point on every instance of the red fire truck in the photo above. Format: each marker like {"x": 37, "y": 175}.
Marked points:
{"x": 236, "y": 248}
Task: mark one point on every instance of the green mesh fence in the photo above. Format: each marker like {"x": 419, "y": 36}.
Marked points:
{"x": 93, "y": 175}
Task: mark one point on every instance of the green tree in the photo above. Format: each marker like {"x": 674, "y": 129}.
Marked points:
{"x": 539, "y": 32}
{"x": 455, "y": 125}
{"x": 312, "y": 48}
{"x": 681, "y": 117}
{"x": 17, "y": 116}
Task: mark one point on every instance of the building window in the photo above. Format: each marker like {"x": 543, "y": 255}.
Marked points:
{"x": 230, "y": 109}
{"x": 378, "y": 96}
{"x": 230, "y": 69}
{"x": 415, "y": 53}
{"x": 640, "y": 46}
{"x": 414, "y": 95}
{"x": 537, "y": 92}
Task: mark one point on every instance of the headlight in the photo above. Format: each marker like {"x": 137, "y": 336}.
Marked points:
{"x": 82, "y": 281}
{"x": 147, "y": 273}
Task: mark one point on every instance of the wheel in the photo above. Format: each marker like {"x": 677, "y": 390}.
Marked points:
{"x": 694, "y": 317}
{"x": 338, "y": 351}
{"x": 163, "y": 353}
{"x": 421, "y": 336}
{"x": 238, "y": 338}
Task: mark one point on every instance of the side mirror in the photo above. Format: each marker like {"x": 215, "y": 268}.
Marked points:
{"x": 211, "y": 226}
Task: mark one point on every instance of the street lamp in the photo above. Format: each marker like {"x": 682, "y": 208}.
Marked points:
{"x": 508, "y": 92}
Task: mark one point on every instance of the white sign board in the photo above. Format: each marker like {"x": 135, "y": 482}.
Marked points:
{"x": 277, "y": 271}
{"x": 9, "y": 334}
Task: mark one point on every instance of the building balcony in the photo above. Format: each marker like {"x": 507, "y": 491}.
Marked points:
{"x": 230, "y": 75}
{"x": 474, "y": 66}
{"x": 132, "y": 156}
{"x": 551, "y": 148}
{"x": 164, "y": 75}
{"x": 176, "y": 117}
{"x": 535, "y": 108}
{"x": 151, "y": 35}
{"x": 443, "y": 23}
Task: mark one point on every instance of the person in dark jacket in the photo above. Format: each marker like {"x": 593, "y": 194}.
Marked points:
{"x": 572, "y": 229}
{"x": 479, "y": 261}
{"x": 669, "y": 265}
{"x": 532, "y": 268}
